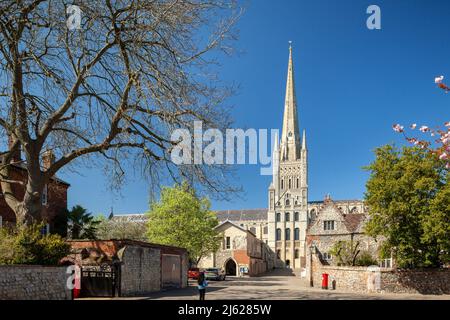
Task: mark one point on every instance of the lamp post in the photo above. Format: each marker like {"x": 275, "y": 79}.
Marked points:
{"x": 312, "y": 250}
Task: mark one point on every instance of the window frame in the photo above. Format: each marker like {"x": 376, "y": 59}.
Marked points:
{"x": 227, "y": 243}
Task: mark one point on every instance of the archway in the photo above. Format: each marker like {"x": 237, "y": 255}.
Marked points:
{"x": 230, "y": 268}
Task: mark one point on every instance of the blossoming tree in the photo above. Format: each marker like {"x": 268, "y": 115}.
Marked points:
{"x": 439, "y": 144}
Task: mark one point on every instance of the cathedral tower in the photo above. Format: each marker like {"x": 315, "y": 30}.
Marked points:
{"x": 288, "y": 192}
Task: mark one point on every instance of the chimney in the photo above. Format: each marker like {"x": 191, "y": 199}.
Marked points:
{"x": 16, "y": 155}
{"x": 48, "y": 158}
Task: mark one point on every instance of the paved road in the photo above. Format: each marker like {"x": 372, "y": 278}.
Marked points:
{"x": 279, "y": 284}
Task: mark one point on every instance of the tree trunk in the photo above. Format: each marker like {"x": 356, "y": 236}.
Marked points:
{"x": 28, "y": 209}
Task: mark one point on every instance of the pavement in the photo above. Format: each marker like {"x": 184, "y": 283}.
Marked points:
{"x": 276, "y": 285}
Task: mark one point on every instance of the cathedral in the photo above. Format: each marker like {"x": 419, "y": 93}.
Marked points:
{"x": 291, "y": 227}
{"x": 283, "y": 227}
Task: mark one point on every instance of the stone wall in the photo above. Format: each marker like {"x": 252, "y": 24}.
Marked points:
{"x": 140, "y": 270}
{"x": 33, "y": 283}
{"x": 373, "y": 279}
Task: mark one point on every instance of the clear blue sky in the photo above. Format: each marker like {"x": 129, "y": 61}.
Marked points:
{"x": 352, "y": 85}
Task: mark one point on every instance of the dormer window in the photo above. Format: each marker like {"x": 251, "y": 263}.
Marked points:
{"x": 328, "y": 225}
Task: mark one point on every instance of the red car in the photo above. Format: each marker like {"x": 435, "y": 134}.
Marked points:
{"x": 193, "y": 273}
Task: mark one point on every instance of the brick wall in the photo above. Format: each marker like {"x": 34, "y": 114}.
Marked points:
{"x": 33, "y": 283}
{"x": 362, "y": 279}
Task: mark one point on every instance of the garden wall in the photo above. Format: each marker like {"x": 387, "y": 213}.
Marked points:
{"x": 22, "y": 282}
{"x": 369, "y": 279}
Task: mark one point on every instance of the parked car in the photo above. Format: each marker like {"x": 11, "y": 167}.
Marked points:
{"x": 214, "y": 274}
{"x": 193, "y": 273}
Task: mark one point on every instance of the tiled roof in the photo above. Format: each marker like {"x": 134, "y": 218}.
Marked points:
{"x": 336, "y": 201}
{"x": 242, "y": 215}
{"x": 353, "y": 220}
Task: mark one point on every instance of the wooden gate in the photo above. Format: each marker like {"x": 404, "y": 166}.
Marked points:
{"x": 100, "y": 281}
{"x": 171, "y": 271}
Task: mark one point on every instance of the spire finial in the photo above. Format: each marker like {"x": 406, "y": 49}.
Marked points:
{"x": 290, "y": 45}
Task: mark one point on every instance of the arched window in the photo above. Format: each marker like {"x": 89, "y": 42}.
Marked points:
{"x": 287, "y": 234}
{"x": 278, "y": 217}
{"x": 296, "y": 234}
{"x": 287, "y": 216}
{"x": 354, "y": 210}
{"x": 296, "y": 254}
{"x": 290, "y": 184}
{"x": 297, "y": 183}
{"x": 296, "y": 216}
{"x": 265, "y": 230}
{"x": 282, "y": 183}
{"x": 313, "y": 213}
{"x": 278, "y": 235}
{"x": 253, "y": 230}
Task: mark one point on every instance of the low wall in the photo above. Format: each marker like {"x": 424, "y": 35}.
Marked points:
{"x": 369, "y": 279}
{"x": 22, "y": 282}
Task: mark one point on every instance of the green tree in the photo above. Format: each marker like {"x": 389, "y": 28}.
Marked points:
{"x": 345, "y": 252}
{"x": 408, "y": 198}
{"x": 26, "y": 245}
{"x": 120, "y": 228}
{"x": 184, "y": 220}
{"x": 82, "y": 225}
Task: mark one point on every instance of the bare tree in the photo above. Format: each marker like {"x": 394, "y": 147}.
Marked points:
{"x": 112, "y": 89}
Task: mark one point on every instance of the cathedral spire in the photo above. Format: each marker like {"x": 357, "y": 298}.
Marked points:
{"x": 304, "y": 140}
{"x": 290, "y": 137}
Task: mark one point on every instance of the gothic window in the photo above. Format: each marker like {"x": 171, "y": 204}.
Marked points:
{"x": 287, "y": 216}
{"x": 297, "y": 183}
{"x": 296, "y": 254}
{"x": 328, "y": 225}
{"x": 296, "y": 216}
{"x": 288, "y": 202}
{"x": 282, "y": 184}
{"x": 326, "y": 256}
{"x": 278, "y": 234}
{"x": 278, "y": 217}
{"x": 289, "y": 183}
{"x": 296, "y": 234}
{"x": 287, "y": 234}
{"x": 253, "y": 230}
{"x": 265, "y": 230}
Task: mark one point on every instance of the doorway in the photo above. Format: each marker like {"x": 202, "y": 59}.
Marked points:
{"x": 230, "y": 268}
{"x": 288, "y": 263}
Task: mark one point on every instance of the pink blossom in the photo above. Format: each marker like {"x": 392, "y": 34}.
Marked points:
{"x": 443, "y": 156}
{"x": 447, "y": 166}
{"x": 424, "y": 128}
{"x": 438, "y": 79}
{"x": 413, "y": 126}
{"x": 446, "y": 139}
{"x": 447, "y": 124}
{"x": 397, "y": 128}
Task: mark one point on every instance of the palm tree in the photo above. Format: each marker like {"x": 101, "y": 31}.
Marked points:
{"x": 82, "y": 224}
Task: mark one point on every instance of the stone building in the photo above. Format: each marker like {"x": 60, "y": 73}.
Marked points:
{"x": 290, "y": 216}
{"x": 331, "y": 223}
{"x": 54, "y": 196}
{"x": 241, "y": 252}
